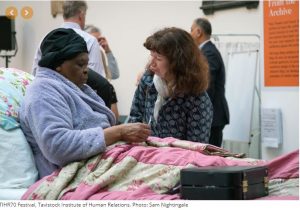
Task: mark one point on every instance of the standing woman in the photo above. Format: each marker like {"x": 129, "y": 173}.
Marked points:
{"x": 171, "y": 95}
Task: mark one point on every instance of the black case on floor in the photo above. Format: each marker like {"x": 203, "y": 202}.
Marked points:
{"x": 224, "y": 183}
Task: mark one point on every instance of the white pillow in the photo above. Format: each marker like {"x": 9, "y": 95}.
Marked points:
{"x": 17, "y": 166}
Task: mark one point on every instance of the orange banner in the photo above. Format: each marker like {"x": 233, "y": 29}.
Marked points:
{"x": 281, "y": 43}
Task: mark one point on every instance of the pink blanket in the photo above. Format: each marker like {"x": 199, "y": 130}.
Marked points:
{"x": 131, "y": 171}
{"x": 285, "y": 167}
{"x": 284, "y": 177}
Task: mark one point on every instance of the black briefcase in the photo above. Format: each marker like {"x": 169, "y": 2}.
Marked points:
{"x": 224, "y": 183}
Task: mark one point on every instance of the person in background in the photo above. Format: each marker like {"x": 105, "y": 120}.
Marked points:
{"x": 110, "y": 64}
{"x": 101, "y": 86}
{"x": 171, "y": 95}
{"x": 74, "y": 13}
{"x": 63, "y": 119}
{"x": 201, "y": 31}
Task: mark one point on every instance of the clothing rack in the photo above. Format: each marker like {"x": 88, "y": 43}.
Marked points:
{"x": 257, "y": 86}
{"x": 216, "y": 38}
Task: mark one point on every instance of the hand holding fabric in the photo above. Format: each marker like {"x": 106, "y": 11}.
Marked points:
{"x": 135, "y": 132}
{"x": 131, "y": 132}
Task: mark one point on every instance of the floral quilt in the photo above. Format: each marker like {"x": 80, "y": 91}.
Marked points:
{"x": 132, "y": 171}
{"x": 13, "y": 84}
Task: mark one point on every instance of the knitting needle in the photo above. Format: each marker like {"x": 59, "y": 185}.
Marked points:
{"x": 149, "y": 123}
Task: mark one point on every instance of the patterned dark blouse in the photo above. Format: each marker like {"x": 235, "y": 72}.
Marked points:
{"x": 183, "y": 117}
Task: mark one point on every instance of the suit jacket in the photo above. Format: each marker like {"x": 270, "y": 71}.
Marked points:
{"x": 216, "y": 89}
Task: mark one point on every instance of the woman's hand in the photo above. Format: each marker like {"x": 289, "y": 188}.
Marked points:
{"x": 135, "y": 132}
{"x": 131, "y": 132}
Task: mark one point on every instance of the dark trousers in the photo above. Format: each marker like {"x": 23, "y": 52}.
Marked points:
{"x": 216, "y": 135}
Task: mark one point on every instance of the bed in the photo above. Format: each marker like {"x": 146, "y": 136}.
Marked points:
{"x": 17, "y": 171}
{"x": 151, "y": 170}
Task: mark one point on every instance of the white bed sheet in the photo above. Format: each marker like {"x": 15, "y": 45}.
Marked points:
{"x": 12, "y": 194}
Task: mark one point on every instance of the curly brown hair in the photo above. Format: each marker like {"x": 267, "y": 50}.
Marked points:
{"x": 188, "y": 65}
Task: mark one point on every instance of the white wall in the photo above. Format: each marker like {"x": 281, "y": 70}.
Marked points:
{"x": 126, "y": 24}
{"x": 29, "y": 32}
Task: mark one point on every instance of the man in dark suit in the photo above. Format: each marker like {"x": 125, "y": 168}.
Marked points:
{"x": 201, "y": 32}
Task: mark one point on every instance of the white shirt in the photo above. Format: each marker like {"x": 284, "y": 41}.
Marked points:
{"x": 203, "y": 43}
{"x": 95, "y": 59}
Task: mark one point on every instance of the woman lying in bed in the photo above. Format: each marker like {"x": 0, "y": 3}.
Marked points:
{"x": 62, "y": 118}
